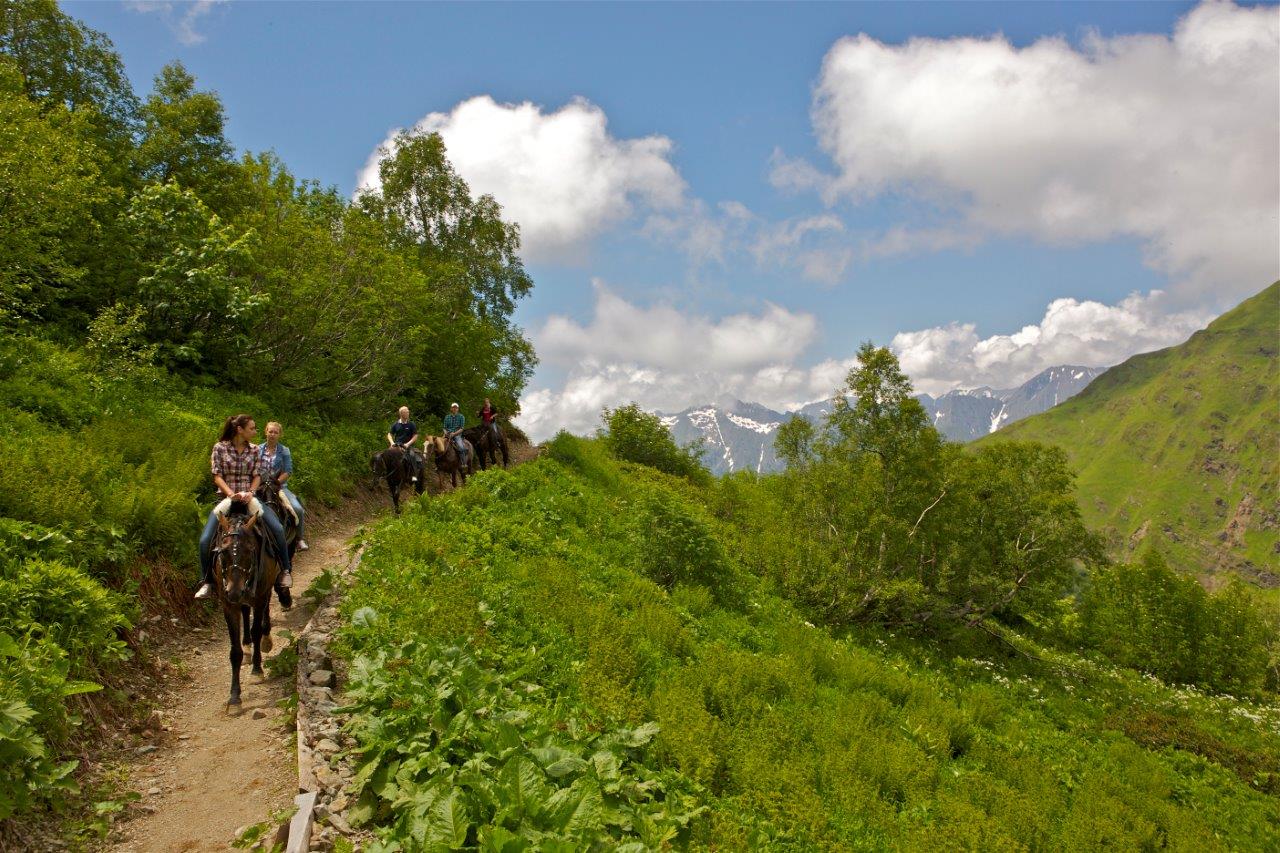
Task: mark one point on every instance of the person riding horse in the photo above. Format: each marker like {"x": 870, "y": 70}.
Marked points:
{"x": 403, "y": 433}
{"x": 454, "y": 423}
{"x": 237, "y": 467}
{"x": 488, "y": 415}
{"x": 277, "y": 459}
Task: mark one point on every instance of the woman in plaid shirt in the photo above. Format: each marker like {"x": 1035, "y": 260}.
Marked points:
{"x": 236, "y": 467}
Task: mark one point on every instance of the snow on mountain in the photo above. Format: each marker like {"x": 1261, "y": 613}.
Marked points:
{"x": 737, "y": 435}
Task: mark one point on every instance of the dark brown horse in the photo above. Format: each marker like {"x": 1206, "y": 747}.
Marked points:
{"x": 244, "y": 573}
{"x": 269, "y": 494}
{"x": 488, "y": 440}
{"x": 447, "y": 461}
{"x": 398, "y": 466}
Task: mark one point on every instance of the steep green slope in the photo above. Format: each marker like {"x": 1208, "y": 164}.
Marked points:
{"x": 1183, "y": 445}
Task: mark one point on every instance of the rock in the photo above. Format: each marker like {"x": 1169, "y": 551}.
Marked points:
{"x": 322, "y": 678}
{"x": 339, "y": 803}
{"x": 259, "y": 714}
{"x": 184, "y": 737}
{"x": 154, "y": 791}
{"x": 143, "y": 750}
{"x": 321, "y": 812}
{"x": 339, "y": 823}
{"x": 326, "y": 746}
{"x": 325, "y": 776}
{"x": 319, "y": 694}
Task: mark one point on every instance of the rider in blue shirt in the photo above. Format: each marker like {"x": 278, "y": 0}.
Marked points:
{"x": 454, "y": 422}
{"x": 277, "y": 458}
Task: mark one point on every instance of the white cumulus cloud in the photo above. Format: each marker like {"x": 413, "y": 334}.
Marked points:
{"x": 560, "y": 174}
{"x": 1171, "y": 140}
{"x": 1071, "y": 332}
{"x": 667, "y": 359}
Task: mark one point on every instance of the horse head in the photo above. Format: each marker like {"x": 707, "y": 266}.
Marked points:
{"x": 235, "y": 556}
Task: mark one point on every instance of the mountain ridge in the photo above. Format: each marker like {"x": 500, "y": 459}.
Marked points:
{"x": 738, "y": 435}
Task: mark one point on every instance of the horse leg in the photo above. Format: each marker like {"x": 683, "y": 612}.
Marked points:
{"x": 246, "y": 624}
{"x": 506, "y": 454}
{"x": 267, "y": 642}
{"x": 232, "y": 615}
{"x": 257, "y": 638}
{"x": 395, "y": 495}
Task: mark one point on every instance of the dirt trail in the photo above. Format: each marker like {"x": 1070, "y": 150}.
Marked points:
{"x": 218, "y": 769}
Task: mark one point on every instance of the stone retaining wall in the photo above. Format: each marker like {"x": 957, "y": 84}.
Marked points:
{"x": 324, "y": 770}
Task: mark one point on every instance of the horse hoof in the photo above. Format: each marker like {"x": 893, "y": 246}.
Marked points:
{"x": 265, "y": 644}
{"x": 257, "y": 670}
{"x": 234, "y": 700}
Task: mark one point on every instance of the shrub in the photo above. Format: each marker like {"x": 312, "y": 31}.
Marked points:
{"x": 1150, "y": 617}
{"x": 673, "y": 545}
{"x": 634, "y": 435}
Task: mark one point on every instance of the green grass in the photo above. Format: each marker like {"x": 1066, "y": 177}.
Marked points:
{"x": 530, "y": 598}
{"x": 1169, "y": 445}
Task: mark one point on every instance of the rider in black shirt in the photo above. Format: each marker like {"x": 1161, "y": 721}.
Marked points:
{"x": 404, "y": 433}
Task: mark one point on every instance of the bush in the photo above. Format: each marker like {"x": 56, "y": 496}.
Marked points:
{"x": 672, "y": 545}
{"x": 634, "y": 435}
{"x": 1150, "y": 617}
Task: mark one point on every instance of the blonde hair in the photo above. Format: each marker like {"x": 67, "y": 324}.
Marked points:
{"x": 275, "y": 424}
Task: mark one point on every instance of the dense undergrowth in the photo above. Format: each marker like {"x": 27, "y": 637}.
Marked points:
{"x": 103, "y": 487}
{"x": 578, "y": 650}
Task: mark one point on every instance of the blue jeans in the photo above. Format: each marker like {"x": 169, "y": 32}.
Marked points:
{"x": 460, "y": 444}
{"x": 211, "y": 530}
{"x": 297, "y": 508}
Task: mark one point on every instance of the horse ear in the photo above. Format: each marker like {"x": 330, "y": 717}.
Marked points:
{"x": 224, "y": 523}
{"x": 249, "y": 524}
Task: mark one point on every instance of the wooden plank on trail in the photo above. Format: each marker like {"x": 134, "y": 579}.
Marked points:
{"x": 300, "y": 826}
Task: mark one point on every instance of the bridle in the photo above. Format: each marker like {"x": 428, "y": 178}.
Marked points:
{"x": 240, "y": 527}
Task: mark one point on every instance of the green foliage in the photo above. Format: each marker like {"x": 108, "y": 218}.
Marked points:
{"x": 531, "y": 614}
{"x": 672, "y": 545}
{"x": 191, "y": 292}
{"x": 50, "y": 182}
{"x": 66, "y": 63}
{"x": 182, "y": 138}
{"x": 634, "y": 435}
{"x": 1153, "y": 618}
{"x": 884, "y": 522}
{"x": 501, "y": 770}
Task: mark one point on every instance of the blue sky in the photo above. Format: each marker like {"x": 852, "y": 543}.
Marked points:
{"x": 728, "y": 198}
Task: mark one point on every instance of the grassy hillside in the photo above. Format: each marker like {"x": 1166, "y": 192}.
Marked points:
{"x": 573, "y": 655}
{"x": 1183, "y": 445}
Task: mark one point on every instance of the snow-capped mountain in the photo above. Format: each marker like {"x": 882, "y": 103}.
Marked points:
{"x": 738, "y": 436}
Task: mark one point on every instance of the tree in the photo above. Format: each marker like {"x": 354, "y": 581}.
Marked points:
{"x": 64, "y": 63}
{"x": 634, "y": 435}
{"x": 462, "y": 241}
{"x": 183, "y": 139}
{"x": 794, "y": 441}
{"x": 191, "y": 280}
{"x": 49, "y": 188}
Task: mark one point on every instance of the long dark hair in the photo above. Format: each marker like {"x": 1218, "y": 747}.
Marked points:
{"x": 233, "y": 423}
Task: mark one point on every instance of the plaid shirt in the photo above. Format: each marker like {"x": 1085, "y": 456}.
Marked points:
{"x": 237, "y": 468}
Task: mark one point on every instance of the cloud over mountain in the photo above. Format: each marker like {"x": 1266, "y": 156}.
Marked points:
{"x": 662, "y": 358}
{"x": 1071, "y": 332}
{"x": 560, "y": 174}
{"x": 1167, "y": 139}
